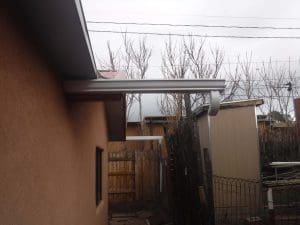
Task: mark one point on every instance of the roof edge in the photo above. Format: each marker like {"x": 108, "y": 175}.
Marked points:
{"x": 232, "y": 104}
{"x": 86, "y": 34}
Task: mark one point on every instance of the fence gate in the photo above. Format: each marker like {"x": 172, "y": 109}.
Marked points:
{"x": 121, "y": 176}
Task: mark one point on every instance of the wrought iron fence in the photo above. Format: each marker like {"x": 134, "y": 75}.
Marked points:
{"x": 240, "y": 202}
{"x": 237, "y": 201}
{"x": 284, "y": 204}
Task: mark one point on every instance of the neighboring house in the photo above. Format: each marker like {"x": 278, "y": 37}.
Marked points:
{"x": 53, "y": 146}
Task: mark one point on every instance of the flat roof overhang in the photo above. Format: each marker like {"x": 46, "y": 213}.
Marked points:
{"x": 114, "y": 91}
{"x": 101, "y": 86}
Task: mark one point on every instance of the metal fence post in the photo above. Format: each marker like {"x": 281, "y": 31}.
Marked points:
{"x": 271, "y": 207}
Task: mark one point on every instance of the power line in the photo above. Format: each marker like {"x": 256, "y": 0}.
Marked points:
{"x": 216, "y": 16}
{"x": 194, "y": 35}
{"x": 236, "y": 63}
{"x": 263, "y": 87}
{"x": 262, "y": 96}
{"x": 246, "y": 17}
{"x": 269, "y": 79}
{"x": 193, "y": 25}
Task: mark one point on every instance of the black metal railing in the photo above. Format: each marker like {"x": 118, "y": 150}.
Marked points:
{"x": 237, "y": 201}
{"x": 285, "y": 202}
{"x": 240, "y": 201}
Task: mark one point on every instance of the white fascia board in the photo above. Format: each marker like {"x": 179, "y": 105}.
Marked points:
{"x": 143, "y": 86}
{"x": 284, "y": 164}
{"x": 144, "y": 138}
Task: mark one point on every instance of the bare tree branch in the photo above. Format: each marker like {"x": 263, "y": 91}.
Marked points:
{"x": 175, "y": 64}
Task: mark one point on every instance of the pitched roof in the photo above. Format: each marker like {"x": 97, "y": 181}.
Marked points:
{"x": 232, "y": 104}
{"x": 110, "y": 74}
{"x": 59, "y": 28}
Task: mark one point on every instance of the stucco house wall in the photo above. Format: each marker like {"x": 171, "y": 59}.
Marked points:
{"x": 47, "y": 144}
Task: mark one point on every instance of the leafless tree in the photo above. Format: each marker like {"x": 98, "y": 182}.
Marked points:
{"x": 114, "y": 59}
{"x": 175, "y": 64}
{"x": 134, "y": 60}
{"x": 139, "y": 56}
{"x": 267, "y": 84}
{"x": 203, "y": 65}
{"x": 233, "y": 79}
{"x": 130, "y": 72}
{"x": 188, "y": 59}
{"x": 249, "y": 81}
{"x": 119, "y": 61}
{"x": 278, "y": 85}
{"x": 283, "y": 76}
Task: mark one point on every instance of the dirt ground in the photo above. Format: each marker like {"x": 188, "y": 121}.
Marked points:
{"x": 128, "y": 221}
{"x": 137, "y": 218}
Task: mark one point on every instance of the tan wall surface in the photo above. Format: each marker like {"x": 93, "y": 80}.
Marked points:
{"x": 234, "y": 143}
{"x": 47, "y": 146}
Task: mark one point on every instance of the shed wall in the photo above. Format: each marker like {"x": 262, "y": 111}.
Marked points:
{"x": 234, "y": 143}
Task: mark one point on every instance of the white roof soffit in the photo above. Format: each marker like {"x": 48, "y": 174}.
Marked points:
{"x": 102, "y": 86}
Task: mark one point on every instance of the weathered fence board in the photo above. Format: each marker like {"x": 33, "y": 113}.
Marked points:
{"x": 134, "y": 175}
{"x": 121, "y": 176}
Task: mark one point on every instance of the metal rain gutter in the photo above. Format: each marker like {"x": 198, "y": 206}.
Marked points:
{"x": 143, "y": 86}
{"x": 284, "y": 164}
{"x": 113, "y": 86}
{"x": 144, "y": 138}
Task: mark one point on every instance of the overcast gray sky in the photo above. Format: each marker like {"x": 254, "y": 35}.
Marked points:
{"x": 279, "y": 13}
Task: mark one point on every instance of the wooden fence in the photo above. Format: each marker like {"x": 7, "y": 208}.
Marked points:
{"x": 121, "y": 176}
{"x": 134, "y": 175}
{"x": 278, "y": 144}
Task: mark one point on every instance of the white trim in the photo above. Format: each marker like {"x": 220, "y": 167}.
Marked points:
{"x": 143, "y": 86}
{"x": 270, "y": 199}
{"x": 144, "y": 138}
{"x": 284, "y": 164}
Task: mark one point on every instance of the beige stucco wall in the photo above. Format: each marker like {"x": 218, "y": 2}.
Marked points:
{"x": 47, "y": 145}
{"x": 234, "y": 143}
